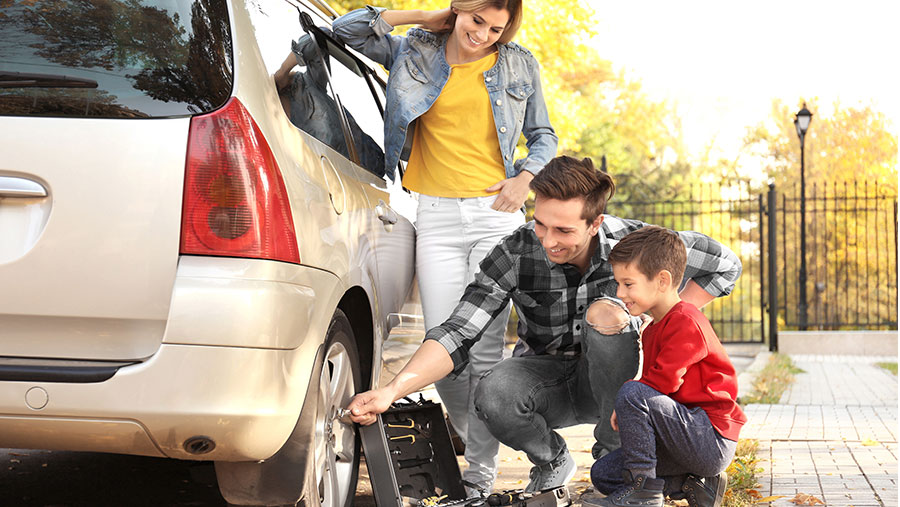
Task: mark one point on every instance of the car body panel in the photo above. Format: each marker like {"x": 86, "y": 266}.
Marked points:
{"x": 223, "y": 347}
{"x": 98, "y": 281}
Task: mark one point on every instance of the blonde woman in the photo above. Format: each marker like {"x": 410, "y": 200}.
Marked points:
{"x": 459, "y": 96}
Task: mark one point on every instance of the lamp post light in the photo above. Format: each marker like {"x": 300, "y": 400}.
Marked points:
{"x": 801, "y": 122}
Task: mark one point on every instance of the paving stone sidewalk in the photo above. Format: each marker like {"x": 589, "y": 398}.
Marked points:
{"x": 833, "y": 435}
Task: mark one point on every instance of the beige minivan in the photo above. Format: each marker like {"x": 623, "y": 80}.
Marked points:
{"x": 194, "y": 263}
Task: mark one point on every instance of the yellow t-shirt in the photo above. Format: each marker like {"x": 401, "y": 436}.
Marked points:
{"x": 455, "y": 150}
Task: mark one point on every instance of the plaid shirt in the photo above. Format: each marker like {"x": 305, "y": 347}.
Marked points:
{"x": 551, "y": 299}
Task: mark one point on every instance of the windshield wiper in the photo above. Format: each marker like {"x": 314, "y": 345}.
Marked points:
{"x": 28, "y": 80}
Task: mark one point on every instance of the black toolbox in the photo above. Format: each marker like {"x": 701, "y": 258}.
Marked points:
{"x": 412, "y": 463}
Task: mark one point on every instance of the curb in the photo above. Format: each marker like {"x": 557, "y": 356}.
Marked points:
{"x": 746, "y": 377}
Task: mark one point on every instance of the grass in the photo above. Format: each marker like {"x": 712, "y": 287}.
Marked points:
{"x": 771, "y": 382}
{"x": 743, "y": 474}
{"x": 891, "y": 367}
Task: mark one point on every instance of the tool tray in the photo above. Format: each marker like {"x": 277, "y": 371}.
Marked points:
{"x": 410, "y": 455}
{"x": 411, "y": 462}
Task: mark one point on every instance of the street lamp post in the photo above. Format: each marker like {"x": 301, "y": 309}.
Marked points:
{"x": 801, "y": 122}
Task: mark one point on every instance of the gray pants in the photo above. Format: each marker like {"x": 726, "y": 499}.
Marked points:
{"x": 523, "y": 399}
{"x": 661, "y": 437}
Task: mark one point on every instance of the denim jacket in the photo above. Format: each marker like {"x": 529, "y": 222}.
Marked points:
{"x": 418, "y": 73}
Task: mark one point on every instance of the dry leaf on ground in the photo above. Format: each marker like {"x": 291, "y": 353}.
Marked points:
{"x": 769, "y": 499}
{"x": 869, "y": 441}
{"x": 804, "y": 499}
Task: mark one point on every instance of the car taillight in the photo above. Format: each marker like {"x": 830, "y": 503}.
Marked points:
{"x": 235, "y": 203}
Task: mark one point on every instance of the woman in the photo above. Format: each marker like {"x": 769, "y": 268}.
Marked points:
{"x": 459, "y": 96}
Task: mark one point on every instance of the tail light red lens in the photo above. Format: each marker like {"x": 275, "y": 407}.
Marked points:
{"x": 235, "y": 203}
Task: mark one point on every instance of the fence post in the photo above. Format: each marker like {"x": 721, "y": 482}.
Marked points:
{"x": 773, "y": 271}
{"x": 761, "y": 208}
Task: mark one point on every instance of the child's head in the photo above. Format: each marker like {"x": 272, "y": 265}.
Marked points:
{"x": 648, "y": 265}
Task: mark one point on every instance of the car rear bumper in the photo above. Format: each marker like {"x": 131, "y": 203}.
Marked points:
{"x": 234, "y": 367}
{"x": 245, "y": 400}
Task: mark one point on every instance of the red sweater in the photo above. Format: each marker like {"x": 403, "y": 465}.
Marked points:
{"x": 684, "y": 360}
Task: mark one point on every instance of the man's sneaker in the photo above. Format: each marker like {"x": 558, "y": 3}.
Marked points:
{"x": 638, "y": 491}
{"x": 552, "y": 475}
{"x": 706, "y": 491}
{"x": 474, "y": 490}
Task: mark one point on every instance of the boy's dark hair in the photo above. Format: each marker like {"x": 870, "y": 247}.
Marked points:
{"x": 565, "y": 178}
{"x": 652, "y": 249}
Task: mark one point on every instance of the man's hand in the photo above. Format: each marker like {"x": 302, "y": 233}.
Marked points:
{"x": 513, "y": 192}
{"x": 364, "y": 407}
{"x": 614, "y": 421}
{"x": 430, "y": 363}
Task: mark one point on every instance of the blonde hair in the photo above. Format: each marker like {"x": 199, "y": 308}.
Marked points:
{"x": 514, "y": 7}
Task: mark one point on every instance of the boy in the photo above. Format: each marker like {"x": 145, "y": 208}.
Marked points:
{"x": 679, "y": 422}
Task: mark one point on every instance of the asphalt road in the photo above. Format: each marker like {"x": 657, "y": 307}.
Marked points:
{"x": 33, "y": 478}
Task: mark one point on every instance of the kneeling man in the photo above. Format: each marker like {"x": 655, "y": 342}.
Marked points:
{"x": 565, "y": 370}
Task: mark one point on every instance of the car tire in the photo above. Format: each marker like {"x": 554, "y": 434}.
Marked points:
{"x": 337, "y": 444}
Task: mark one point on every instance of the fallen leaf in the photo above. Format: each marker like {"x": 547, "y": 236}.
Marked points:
{"x": 585, "y": 478}
{"x": 804, "y": 499}
{"x": 752, "y": 493}
{"x": 870, "y": 442}
{"x": 769, "y": 499}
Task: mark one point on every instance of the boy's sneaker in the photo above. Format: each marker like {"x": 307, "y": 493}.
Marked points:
{"x": 705, "y": 491}
{"x": 638, "y": 491}
{"x": 552, "y": 475}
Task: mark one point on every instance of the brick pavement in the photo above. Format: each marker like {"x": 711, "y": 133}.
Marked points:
{"x": 833, "y": 435}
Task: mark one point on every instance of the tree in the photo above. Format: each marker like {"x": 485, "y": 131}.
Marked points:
{"x": 850, "y": 145}
{"x": 851, "y": 199}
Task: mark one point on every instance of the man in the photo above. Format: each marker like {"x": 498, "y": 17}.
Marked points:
{"x": 564, "y": 371}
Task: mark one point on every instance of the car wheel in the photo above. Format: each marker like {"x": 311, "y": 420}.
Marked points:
{"x": 337, "y": 443}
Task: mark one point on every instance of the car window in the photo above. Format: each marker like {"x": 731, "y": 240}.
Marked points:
{"x": 301, "y": 65}
{"x": 114, "y": 59}
{"x": 366, "y": 123}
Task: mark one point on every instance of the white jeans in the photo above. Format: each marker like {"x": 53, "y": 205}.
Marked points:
{"x": 453, "y": 236}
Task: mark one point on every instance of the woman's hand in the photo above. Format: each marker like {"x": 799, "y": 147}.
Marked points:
{"x": 513, "y": 192}
{"x": 614, "y": 421}
{"x": 430, "y": 20}
{"x": 436, "y": 21}
{"x": 282, "y": 76}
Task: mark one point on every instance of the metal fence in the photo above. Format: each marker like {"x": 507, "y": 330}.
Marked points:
{"x": 851, "y": 254}
{"x": 734, "y": 216}
{"x": 851, "y": 258}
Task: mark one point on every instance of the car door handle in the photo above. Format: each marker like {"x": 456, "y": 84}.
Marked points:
{"x": 385, "y": 213}
{"x": 387, "y": 216}
{"x": 20, "y": 187}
